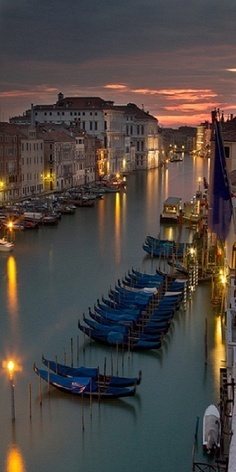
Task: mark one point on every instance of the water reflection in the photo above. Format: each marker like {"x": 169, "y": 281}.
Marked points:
{"x": 14, "y": 460}
{"x": 117, "y": 227}
{"x": 12, "y": 292}
{"x": 218, "y": 352}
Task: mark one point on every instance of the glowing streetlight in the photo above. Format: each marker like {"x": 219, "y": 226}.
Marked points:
{"x": 12, "y": 366}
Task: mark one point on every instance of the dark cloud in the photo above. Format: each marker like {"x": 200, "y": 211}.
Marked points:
{"x": 82, "y": 46}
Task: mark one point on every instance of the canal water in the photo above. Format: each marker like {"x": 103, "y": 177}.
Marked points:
{"x": 52, "y": 277}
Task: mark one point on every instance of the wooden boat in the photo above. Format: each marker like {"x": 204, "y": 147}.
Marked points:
{"x": 82, "y": 203}
{"x": 172, "y": 211}
{"x": 114, "y": 338}
{"x": 117, "y": 305}
{"x": 32, "y": 216}
{"x": 84, "y": 386}
{"x": 175, "y": 158}
{"x": 116, "y": 310}
{"x": 178, "y": 266}
{"x": 31, "y": 224}
{"x": 120, "y": 328}
{"x": 6, "y": 246}
{"x": 93, "y": 373}
{"x": 135, "y": 301}
{"x": 49, "y": 220}
{"x": 211, "y": 430}
{"x": 122, "y": 318}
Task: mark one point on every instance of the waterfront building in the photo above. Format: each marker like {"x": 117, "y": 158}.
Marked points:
{"x": 10, "y": 161}
{"x": 182, "y": 139}
{"x": 32, "y": 163}
{"x": 111, "y": 124}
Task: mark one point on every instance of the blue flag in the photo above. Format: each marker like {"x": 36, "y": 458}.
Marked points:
{"x": 220, "y": 208}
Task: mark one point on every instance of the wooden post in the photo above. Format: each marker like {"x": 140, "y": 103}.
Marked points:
{"x": 48, "y": 380}
{"x": 117, "y": 359}
{"x": 90, "y": 397}
{"x": 205, "y": 341}
{"x": 71, "y": 351}
{"x": 29, "y": 396}
{"x": 40, "y": 391}
{"x": 77, "y": 349}
{"x": 105, "y": 368}
{"x": 83, "y": 411}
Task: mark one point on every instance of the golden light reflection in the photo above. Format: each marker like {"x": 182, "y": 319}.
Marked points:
{"x": 14, "y": 460}
{"x": 218, "y": 353}
{"x": 117, "y": 228}
{"x": 12, "y": 295}
{"x": 101, "y": 224}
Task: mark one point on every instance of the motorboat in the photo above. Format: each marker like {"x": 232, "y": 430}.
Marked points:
{"x": 6, "y": 246}
{"x": 172, "y": 211}
{"x": 211, "y": 430}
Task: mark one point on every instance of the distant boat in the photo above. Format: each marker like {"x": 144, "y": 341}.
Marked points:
{"x": 6, "y": 246}
{"x": 211, "y": 429}
{"x": 175, "y": 157}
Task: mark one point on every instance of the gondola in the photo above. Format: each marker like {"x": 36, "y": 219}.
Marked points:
{"x": 93, "y": 373}
{"x": 158, "y": 327}
{"x": 117, "y": 339}
{"x": 122, "y": 318}
{"x": 118, "y": 310}
{"x": 84, "y": 386}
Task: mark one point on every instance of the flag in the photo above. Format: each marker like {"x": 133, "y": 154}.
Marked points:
{"x": 220, "y": 204}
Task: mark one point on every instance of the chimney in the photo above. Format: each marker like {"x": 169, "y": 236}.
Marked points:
{"x": 32, "y": 115}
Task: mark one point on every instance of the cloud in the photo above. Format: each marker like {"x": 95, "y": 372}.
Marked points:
{"x": 167, "y": 56}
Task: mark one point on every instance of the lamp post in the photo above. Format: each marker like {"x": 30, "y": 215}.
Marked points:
{"x": 11, "y": 368}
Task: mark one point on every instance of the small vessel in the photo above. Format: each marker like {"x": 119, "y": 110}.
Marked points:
{"x": 211, "y": 430}
{"x": 172, "y": 211}
{"x": 6, "y": 246}
{"x": 92, "y": 372}
{"x": 84, "y": 386}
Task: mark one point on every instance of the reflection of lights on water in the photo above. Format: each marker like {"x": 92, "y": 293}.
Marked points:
{"x": 218, "y": 352}
{"x": 14, "y": 460}
{"x": 12, "y": 285}
{"x": 117, "y": 227}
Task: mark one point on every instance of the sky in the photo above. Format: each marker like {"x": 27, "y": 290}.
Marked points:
{"x": 174, "y": 58}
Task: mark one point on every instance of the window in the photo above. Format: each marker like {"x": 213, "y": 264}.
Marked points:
{"x": 90, "y": 125}
{"x": 95, "y": 125}
{"x": 227, "y": 152}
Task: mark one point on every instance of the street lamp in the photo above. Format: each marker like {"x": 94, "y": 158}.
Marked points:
{"x": 12, "y": 367}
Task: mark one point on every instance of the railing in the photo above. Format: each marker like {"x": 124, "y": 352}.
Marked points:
{"x": 220, "y": 466}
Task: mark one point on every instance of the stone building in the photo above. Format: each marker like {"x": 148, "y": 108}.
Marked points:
{"x": 122, "y": 130}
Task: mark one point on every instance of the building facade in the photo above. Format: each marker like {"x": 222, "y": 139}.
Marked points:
{"x": 111, "y": 124}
